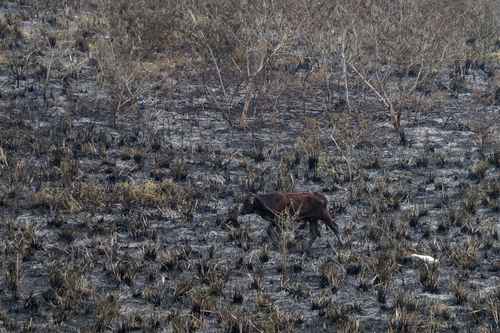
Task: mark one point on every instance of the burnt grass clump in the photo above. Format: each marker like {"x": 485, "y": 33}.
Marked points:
{"x": 131, "y": 130}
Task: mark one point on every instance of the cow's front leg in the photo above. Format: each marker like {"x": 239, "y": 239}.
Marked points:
{"x": 314, "y": 233}
{"x": 272, "y": 233}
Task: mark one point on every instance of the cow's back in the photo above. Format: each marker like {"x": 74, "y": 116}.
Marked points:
{"x": 309, "y": 203}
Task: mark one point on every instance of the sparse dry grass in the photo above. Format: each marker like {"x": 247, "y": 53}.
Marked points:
{"x": 120, "y": 150}
{"x": 56, "y": 198}
{"x": 429, "y": 276}
{"x": 466, "y": 255}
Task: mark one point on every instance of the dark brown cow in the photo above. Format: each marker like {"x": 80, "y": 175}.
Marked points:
{"x": 304, "y": 206}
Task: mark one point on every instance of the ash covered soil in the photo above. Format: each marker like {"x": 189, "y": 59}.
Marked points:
{"x": 123, "y": 226}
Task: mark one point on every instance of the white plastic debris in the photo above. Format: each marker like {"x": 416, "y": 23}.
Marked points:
{"x": 426, "y": 259}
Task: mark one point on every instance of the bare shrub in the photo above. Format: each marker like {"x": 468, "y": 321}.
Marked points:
{"x": 120, "y": 73}
{"x": 393, "y": 49}
{"x": 410, "y": 42}
{"x": 396, "y": 49}
{"x": 244, "y": 39}
{"x": 150, "y": 25}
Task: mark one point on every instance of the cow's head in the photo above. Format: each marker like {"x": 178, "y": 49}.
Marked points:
{"x": 248, "y": 206}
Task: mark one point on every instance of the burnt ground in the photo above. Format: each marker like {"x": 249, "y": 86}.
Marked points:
{"x": 124, "y": 227}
